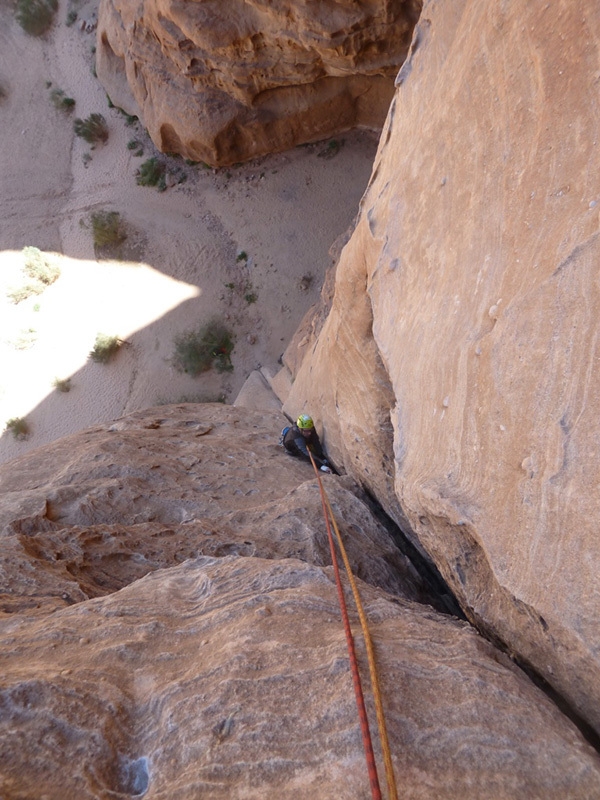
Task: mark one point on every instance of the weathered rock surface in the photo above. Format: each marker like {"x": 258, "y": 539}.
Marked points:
{"x": 125, "y": 673}
{"x": 229, "y": 678}
{"x": 95, "y": 511}
{"x": 457, "y": 374}
{"x": 225, "y": 84}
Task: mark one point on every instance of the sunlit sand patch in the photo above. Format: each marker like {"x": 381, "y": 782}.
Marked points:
{"x": 50, "y": 335}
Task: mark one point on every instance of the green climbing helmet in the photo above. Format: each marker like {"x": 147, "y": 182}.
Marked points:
{"x": 305, "y": 423}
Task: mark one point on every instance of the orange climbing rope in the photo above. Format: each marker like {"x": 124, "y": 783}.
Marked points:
{"x": 385, "y": 747}
{"x": 358, "y": 692}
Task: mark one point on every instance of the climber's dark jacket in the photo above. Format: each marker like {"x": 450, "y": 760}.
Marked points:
{"x": 298, "y": 445}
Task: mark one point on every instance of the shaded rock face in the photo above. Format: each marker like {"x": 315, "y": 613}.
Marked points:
{"x": 170, "y": 628}
{"x": 224, "y": 83}
{"x": 456, "y": 375}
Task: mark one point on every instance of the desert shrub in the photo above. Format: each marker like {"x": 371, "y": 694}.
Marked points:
{"x": 3, "y": 93}
{"x": 25, "y": 339}
{"x": 242, "y": 256}
{"x": 61, "y": 102}
{"x": 93, "y": 129}
{"x": 71, "y": 18}
{"x": 306, "y": 281}
{"x": 36, "y": 16}
{"x": 41, "y": 271}
{"x": 21, "y": 293}
{"x": 107, "y": 228}
{"x": 62, "y": 384}
{"x": 250, "y": 297}
{"x": 105, "y": 347}
{"x": 18, "y": 427}
{"x": 151, "y": 173}
{"x": 199, "y": 350}
{"x": 134, "y": 144}
{"x": 331, "y": 149}
{"x": 38, "y": 267}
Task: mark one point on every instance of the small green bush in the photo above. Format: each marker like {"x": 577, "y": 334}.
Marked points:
{"x": 93, "y": 129}
{"x": 105, "y": 347}
{"x": 134, "y": 144}
{"x": 242, "y": 256}
{"x": 23, "y": 292}
{"x": 41, "y": 271}
{"x": 18, "y": 427}
{"x": 71, "y": 18}
{"x": 197, "y": 351}
{"x": 38, "y": 267}
{"x": 36, "y": 16}
{"x": 151, "y": 173}
{"x": 107, "y": 228}
{"x": 25, "y": 339}
{"x": 62, "y": 384}
{"x": 61, "y": 102}
{"x": 250, "y": 297}
{"x": 331, "y": 149}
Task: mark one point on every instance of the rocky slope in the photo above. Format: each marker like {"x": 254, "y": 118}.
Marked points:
{"x": 456, "y": 375}
{"x": 170, "y": 628}
{"x": 223, "y": 87}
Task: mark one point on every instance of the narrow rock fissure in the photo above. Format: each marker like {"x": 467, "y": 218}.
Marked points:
{"x": 428, "y": 572}
{"x": 586, "y": 730}
{"x": 448, "y": 603}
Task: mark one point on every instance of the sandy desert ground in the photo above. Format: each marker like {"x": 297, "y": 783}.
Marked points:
{"x": 246, "y": 245}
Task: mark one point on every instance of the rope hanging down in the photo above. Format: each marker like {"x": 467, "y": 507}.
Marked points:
{"x": 367, "y": 742}
{"x": 358, "y": 692}
{"x": 383, "y": 736}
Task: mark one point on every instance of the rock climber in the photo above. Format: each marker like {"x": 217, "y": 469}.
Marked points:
{"x": 302, "y": 437}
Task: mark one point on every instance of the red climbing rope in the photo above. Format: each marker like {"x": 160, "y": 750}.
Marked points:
{"x": 358, "y": 692}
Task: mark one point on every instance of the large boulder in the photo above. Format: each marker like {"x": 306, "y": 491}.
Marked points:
{"x": 457, "y": 373}
{"x": 224, "y": 83}
{"x": 171, "y": 628}
{"x": 95, "y": 511}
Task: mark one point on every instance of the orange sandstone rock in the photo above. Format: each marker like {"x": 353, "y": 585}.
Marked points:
{"x": 457, "y": 374}
{"x": 223, "y": 83}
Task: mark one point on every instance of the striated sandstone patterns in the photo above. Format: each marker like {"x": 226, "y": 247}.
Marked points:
{"x": 170, "y": 628}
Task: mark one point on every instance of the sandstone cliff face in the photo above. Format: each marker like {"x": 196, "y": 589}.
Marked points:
{"x": 223, "y": 84}
{"x": 170, "y": 628}
{"x": 457, "y": 374}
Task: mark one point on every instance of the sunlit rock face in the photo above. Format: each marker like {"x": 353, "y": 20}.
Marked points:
{"x": 457, "y": 373}
{"x": 170, "y": 628}
{"x": 225, "y": 82}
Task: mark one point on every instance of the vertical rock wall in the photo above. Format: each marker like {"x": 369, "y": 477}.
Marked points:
{"x": 466, "y": 317}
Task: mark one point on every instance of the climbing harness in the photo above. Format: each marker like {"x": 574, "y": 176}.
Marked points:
{"x": 367, "y": 742}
